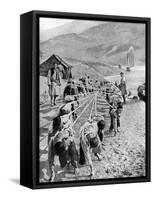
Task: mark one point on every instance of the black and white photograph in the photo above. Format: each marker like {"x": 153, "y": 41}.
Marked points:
{"x": 76, "y": 92}
{"x": 92, "y": 100}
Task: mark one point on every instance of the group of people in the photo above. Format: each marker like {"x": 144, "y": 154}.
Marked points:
{"x": 61, "y": 140}
{"x": 84, "y": 85}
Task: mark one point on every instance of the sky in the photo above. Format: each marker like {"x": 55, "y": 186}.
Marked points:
{"x": 47, "y": 23}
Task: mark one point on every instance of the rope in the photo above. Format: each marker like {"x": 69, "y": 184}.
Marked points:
{"x": 77, "y": 107}
{"x": 96, "y": 103}
{"x": 94, "y": 99}
{"x": 82, "y": 111}
{"x": 85, "y": 97}
{"x": 104, "y": 93}
{"x": 107, "y": 103}
{"x": 80, "y": 99}
{"x": 91, "y": 110}
{"x": 77, "y": 118}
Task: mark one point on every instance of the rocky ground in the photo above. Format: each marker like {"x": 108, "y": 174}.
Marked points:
{"x": 124, "y": 155}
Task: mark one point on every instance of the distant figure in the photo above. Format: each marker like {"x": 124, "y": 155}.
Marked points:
{"x": 119, "y": 66}
{"x": 107, "y": 94}
{"x": 101, "y": 83}
{"x": 96, "y": 84}
{"x": 85, "y": 82}
{"x": 128, "y": 69}
{"x": 122, "y": 86}
{"x": 81, "y": 87}
{"x": 70, "y": 89}
{"x": 88, "y": 84}
{"x": 54, "y": 82}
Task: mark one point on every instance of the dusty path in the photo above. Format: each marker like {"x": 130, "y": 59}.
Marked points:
{"x": 123, "y": 155}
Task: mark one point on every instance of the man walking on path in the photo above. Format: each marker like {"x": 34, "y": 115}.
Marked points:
{"x": 122, "y": 86}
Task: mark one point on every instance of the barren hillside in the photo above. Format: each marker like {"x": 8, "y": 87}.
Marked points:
{"x": 103, "y": 43}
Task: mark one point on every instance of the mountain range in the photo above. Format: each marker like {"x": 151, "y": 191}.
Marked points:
{"x": 95, "y": 45}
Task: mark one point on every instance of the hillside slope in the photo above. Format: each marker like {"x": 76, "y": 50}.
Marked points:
{"x": 75, "y": 26}
{"x": 106, "y": 43}
{"x": 96, "y": 48}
